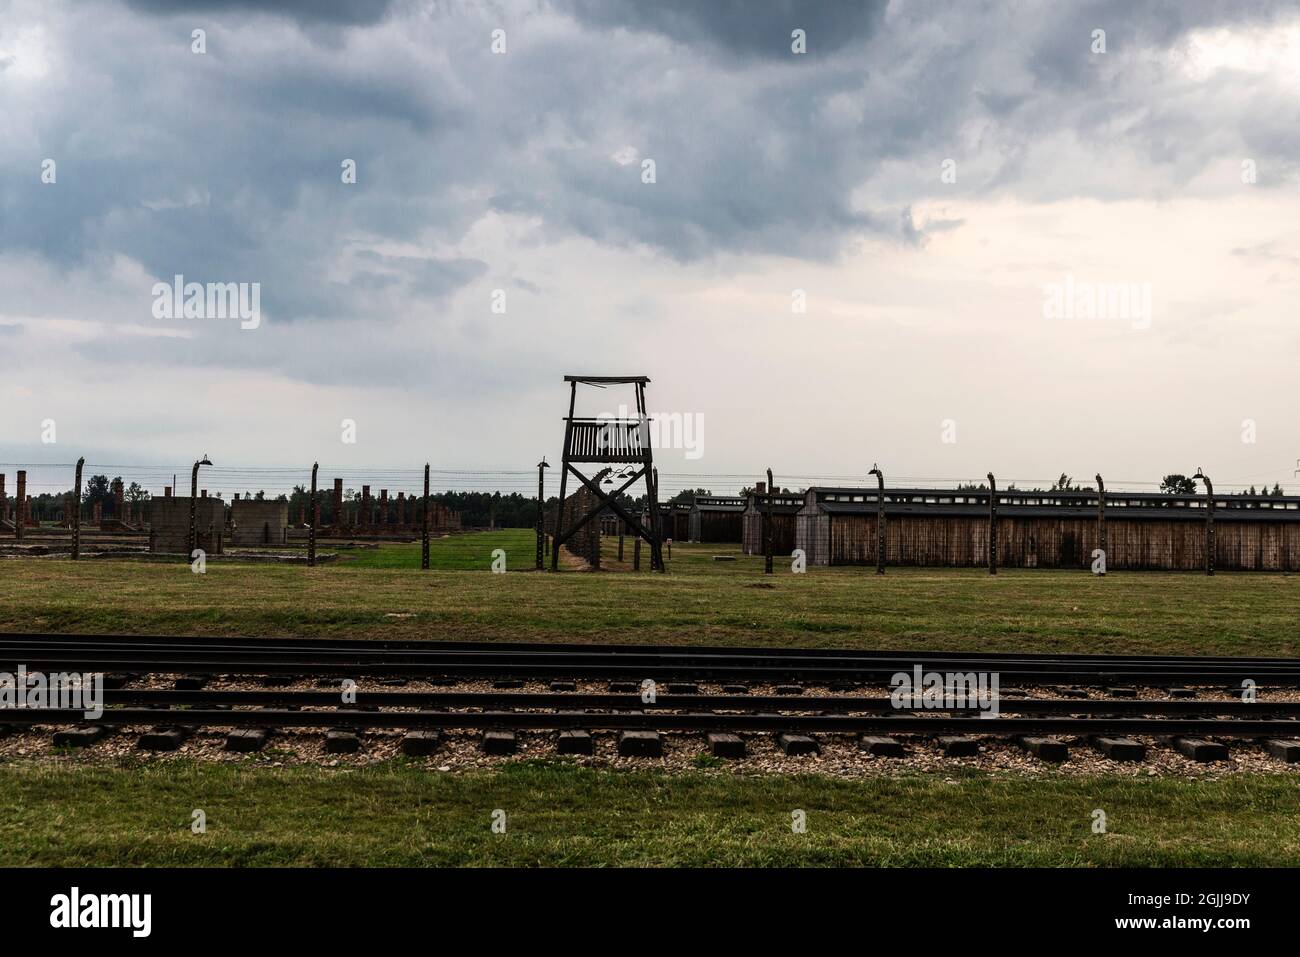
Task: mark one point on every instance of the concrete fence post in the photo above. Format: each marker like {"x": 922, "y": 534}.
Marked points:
{"x": 1101, "y": 523}
{"x": 424, "y": 523}
{"x": 314, "y": 518}
{"x": 880, "y": 518}
{"x": 767, "y": 526}
{"x": 76, "y": 512}
{"x": 993, "y": 525}
{"x": 1209, "y": 520}
{"x": 20, "y": 506}
{"x": 541, "y": 520}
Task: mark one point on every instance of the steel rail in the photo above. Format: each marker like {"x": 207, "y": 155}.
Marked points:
{"x": 54, "y": 650}
{"x": 435, "y": 645}
{"x": 619, "y": 670}
{"x": 667, "y": 722}
{"x": 206, "y": 698}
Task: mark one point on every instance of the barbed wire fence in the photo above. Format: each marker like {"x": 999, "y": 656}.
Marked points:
{"x": 45, "y": 478}
{"x": 482, "y": 497}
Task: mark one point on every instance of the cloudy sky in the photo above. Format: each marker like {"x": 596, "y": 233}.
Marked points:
{"x": 845, "y": 255}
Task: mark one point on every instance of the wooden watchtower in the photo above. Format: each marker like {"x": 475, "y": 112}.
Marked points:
{"x": 608, "y": 442}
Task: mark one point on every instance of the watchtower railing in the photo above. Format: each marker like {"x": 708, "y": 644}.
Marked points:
{"x": 607, "y": 440}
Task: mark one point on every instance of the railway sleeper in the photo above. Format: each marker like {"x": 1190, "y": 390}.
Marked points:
{"x": 1046, "y": 749}
{"x": 795, "y": 745}
{"x": 499, "y": 742}
{"x": 342, "y": 741}
{"x": 247, "y": 740}
{"x": 421, "y": 744}
{"x": 575, "y": 741}
{"x": 640, "y": 744}
{"x": 958, "y": 746}
{"x": 83, "y": 736}
{"x": 880, "y": 747}
{"x": 1120, "y": 749}
{"x": 1199, "y": 749}
{"x": 725, "y": 745}
{"x": 165, "y": 737}
{"x": 1285, "y": 749}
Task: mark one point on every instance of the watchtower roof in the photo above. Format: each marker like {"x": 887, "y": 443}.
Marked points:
{"x": 608, "y": 379}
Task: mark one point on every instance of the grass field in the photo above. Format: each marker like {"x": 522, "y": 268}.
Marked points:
{"x": 382, "y": 593}
{"x": 139, "y": 812}
{"x": 461, "y": 553}
{"x": 564, "y": 815}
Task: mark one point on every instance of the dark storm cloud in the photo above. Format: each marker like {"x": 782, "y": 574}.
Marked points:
{"x": 226, "y": 166}
{"x": 342, "y": 12}
{"x": 745, "y": 27}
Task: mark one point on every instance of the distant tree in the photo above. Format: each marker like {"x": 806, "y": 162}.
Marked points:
{"x": 136, "y": 493}
{"x": 97, "y": 489}
{"x": 687, "y": 495}
{"x": 1177, "y": 484}
{"x": 1277, "y": 490}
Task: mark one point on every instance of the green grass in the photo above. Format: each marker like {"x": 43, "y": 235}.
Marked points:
{"x": 467, "y": 553}
{"x": 558, "y": 814}
{"x": 383, "y": 594}
{"x": 139, "y": 813}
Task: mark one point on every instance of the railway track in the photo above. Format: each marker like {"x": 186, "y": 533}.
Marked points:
{"x": 193, "y": 656}
{"x": 1189, "y": 722}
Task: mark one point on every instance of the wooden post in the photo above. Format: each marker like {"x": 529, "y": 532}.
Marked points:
{"x": 1101, "y": 522}
{"x": 314, "y": 517}
{"x": 993, "y": 525}
{"x": 76, "y": 512}
{"x": 636, "y": 554}
{"x": 880, "y": 519}
{"x": 656, "y": 519}
{"x": 564, "y": 478}
{"x": 652, "y": 474}
{"x": 621, "y": 529}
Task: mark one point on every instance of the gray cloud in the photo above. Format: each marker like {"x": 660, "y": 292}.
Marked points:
{"x": 743, "y": 27}
{"x": 226, "y": 166}
{"x": 341, "y": 12}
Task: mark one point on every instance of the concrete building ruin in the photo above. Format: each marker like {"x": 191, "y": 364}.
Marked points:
{"x": 170, "y": 524}
{"x": 258, "y": 522}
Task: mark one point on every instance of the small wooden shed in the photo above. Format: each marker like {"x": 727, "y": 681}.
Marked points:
{"x": 717, "y": 518}
{"x": 785, "y": 508}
